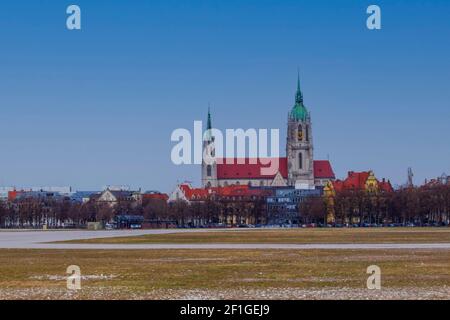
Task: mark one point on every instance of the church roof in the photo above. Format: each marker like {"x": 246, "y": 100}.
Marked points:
{"x": 323, "y": 170}
{"x": 248, "y": 170}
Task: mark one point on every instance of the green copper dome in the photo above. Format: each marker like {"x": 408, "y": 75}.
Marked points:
{"x": 299, "y": 112}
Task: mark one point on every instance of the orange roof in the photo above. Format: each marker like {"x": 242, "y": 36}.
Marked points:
{"x": 228, "y": 191}
{"x": 156, "y": 196}
{"x": 191, "y": 193}
{"x": 357, "y": 181}
{"x": 385, "y": 186}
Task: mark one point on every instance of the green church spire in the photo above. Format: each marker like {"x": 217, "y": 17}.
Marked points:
{"x": 299, "y": 112}
{"x": 209, "y": 126}
{"x": 298, "y": 95}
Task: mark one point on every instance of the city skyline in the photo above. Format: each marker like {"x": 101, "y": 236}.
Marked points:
{"x": 97, "y": 106}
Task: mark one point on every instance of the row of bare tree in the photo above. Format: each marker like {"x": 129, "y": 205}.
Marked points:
{"x": 35, "y": 212}
{"x": 421, "y": 206}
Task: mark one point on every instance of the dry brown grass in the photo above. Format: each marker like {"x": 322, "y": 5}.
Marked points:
{"x": 292, "y": 236}
{"x": 175, "y": 274}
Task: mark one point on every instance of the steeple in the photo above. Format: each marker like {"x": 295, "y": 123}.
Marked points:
{"x": 298, "y": 94}
{"x": 209, "y": 169}
{"x": 299, "y": 112}
{"x": 209, "y": 126}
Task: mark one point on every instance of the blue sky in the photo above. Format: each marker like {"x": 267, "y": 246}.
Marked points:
{"x": 96, "y": 107}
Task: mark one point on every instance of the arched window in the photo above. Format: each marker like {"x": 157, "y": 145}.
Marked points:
{"x": 300, "y": 133}
{"x": 208, "y": 170}
{"x": 300, "y": 160}
{"x": 307, "y": 133}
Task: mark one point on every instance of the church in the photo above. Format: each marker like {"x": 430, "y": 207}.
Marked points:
{"x": 298, "y": 169}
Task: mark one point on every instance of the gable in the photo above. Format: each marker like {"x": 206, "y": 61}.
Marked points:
{"x": 107, "y": 196}
{"x": 278, "y": 181}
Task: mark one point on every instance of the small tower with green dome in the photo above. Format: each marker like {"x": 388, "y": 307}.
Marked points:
{"x": 299, "y": 146}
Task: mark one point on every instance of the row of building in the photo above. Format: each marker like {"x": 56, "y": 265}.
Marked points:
{"x": 280, "y": 205}
{"x": 109, "y": 196}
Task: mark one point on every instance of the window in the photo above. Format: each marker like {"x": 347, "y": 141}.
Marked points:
{"x": 208, "y": 170}
{"x": 307, "y": 133}
{"x": 300, "y": 160}
{"x": 300, "y": 133}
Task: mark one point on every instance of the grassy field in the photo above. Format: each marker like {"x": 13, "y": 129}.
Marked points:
{"x": 292, "y": 236}
{"x": 225, "y": 274}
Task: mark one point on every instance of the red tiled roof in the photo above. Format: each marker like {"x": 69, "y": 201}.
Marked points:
{"x": 385, "y": 186}
{"x": 12, "y": 195}
{"x": 229, "y": 191}
{"x": 248, "y": 170}
{"x": 338, "y": 185}
{"x": 233, "y": 169}
{"x": 191, "y": 193}
{"x": 357, "y": 181}
{"x": 243, "y": 190}
{"x": 323, "y": 170}
{"x": 155, "y": 196}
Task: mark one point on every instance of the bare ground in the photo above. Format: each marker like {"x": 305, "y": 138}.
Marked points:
{"x": 225, "y": 274}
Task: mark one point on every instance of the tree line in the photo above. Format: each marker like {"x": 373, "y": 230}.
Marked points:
{"x": 36, "y": 212}
{"x": 421, "y": 206}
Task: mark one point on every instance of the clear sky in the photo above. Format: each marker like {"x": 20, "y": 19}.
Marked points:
{"x": 96, "y": 107}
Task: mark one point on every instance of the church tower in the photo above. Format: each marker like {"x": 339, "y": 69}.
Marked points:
{"x": 209, "y": 165}
{"x": 299, "y": 146}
